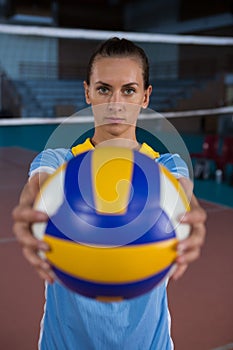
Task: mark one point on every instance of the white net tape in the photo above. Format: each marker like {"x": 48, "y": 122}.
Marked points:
{"x": 103, "y": 35}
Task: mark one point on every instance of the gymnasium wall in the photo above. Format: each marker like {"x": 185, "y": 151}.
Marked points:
{"x": 37, "y": 137}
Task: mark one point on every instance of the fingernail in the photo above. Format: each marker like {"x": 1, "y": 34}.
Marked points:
{"x": 180, "y": 248}
{"x": 41, "y": 216}
{"x": 51, "y": 278}
{"x": 43, "y": 246}
{"x": 180, "y": 259}
{"x": 45, "y": 265}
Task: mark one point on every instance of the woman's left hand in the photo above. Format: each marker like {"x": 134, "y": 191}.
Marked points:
{"x": 189, "y": 249}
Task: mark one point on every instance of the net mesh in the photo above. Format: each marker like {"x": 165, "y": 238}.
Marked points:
{"x": 42, "y": 73}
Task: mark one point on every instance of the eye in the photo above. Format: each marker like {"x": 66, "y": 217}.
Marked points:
{"x": 103, "y": 90}
{"x": 129, "y": 91}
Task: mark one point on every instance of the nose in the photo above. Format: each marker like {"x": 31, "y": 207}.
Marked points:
{"x": 115, "y": 102}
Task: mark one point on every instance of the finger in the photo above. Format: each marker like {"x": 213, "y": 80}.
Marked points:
{"x": 195, "y": 217}
{"x": 26, "y": 239}
{"x": 32, "y": 188}
{"x": 46, "y": 276}
{"x": 189, "y": 256}
{"x": 23, "y": 234}
{"x": 25, "y": 213}
{"x": 42, "y": 267}
{"x": 195, "y": 240}
{"x": 180, "y": 270}
{"x": 34, "y": 259}
{"x": 190, "y": 248}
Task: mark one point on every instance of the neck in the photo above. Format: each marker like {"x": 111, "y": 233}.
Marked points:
{"x": 124, "y": 139}
{"x": 118, "y": 142}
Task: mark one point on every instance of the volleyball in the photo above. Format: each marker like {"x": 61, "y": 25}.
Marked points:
{"x": 113, "y": 223}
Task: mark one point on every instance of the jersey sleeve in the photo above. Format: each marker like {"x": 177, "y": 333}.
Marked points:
{"x": 175, "y": 164}
{"x": 49, "y": 160}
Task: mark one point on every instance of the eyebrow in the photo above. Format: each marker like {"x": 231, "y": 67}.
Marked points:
{"x": 108, "y": 85}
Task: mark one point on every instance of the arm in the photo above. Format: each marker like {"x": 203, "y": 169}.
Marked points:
{"x": 189, "y": 249}
{"x": 24, "y": 216}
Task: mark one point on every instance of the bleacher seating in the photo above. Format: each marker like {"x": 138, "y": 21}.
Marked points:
{"x": 167, "y": 92}
{"x": 44, "y": 98}
{"x": 41, "y": 98}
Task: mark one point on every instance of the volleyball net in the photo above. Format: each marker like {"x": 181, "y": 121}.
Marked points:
{"x": 42, "y": 71}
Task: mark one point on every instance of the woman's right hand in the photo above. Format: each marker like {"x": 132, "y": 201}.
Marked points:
{"x": 23, "y": 217}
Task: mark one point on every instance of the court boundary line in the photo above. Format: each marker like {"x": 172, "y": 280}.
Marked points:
{"x": 228, "y": 346}
{"x": 8, "y": 240}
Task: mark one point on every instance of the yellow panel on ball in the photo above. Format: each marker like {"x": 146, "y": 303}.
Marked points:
{"x": 112, "y": 227}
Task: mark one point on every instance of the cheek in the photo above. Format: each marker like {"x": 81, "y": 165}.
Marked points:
{"x": 96, "y": 98}
{"x": 139, "y": 98}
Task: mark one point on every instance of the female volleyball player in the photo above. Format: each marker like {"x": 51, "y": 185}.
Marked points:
{"x": 117, "y": 77}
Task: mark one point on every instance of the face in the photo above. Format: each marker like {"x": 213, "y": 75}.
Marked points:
{"x": 116, "y": 93}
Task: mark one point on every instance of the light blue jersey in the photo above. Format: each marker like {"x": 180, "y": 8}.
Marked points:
{"x": 74, "y": 322}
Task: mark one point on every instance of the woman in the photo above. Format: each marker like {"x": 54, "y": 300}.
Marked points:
{"x": 117, "y": 87}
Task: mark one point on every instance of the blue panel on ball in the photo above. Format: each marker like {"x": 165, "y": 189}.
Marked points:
{"x": 53, "y": 229}
{"x": 161, "y": 230}
{"x": 78, "y": 189}
{"x": 126, "y": 291}
{"x": 78, "y": 183}
{"x": 143, "y": 222}
{"x": 145, "y": 183}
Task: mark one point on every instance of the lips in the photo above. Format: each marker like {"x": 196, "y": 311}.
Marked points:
{"x": 114, "y": 120}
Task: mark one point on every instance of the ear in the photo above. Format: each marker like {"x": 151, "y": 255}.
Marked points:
{"x": 86, "y": 90}
{"x": 146, "y": 100}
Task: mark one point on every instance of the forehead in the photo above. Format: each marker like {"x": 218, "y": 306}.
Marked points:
{"x": 124, "y": 69}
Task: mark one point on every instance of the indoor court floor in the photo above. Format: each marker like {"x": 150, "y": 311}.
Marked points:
{"x": 201, "y": 303}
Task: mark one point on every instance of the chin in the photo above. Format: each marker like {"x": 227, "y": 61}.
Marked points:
{"x": 116, "y": 129}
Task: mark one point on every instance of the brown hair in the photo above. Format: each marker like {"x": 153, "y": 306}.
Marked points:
{"x": 116, "y": 47}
